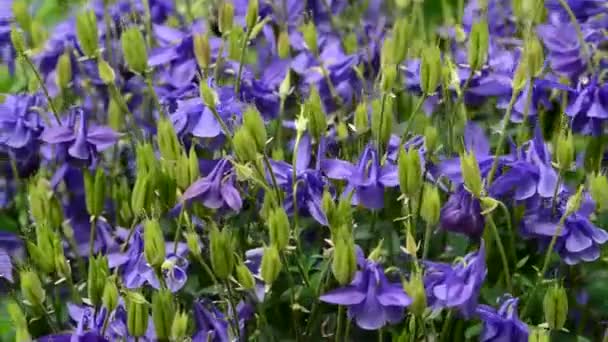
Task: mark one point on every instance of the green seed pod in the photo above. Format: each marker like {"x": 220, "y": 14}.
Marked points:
{"x": 45, "y": 207}
{"x": 19, "y": 322}
{"x": 194, "y": 244}
{"x": 137, "y": 314}
{"x": 154, "y": 243}
{"x": 109, "y": 299}
{"x": 106, "y": 73}
{"x": 141, "y": 195}
{"x": 61, "y": 263}
{"x": 283, "y": 45}
{"x": 254, "y": 123}
{"x": 389, "y": 75}
{"x": 309, "y": 33}
{"x": 534, "y": 54}
{"x": 193, "y": 168}
{"x": 95, "y": 191}
{"x": 86, "y": 30}
{"x": 574, "y": 202}
{"x": 329, "y": 207}
{"x": 39, "y": 35}
{"x": 430, "y": 138}
{"x": 251, "y": 17}
{"x": 208, "y": 95}
{"x": 471, "y": 174}
{"x": 314, "y": 112}
{"x": 415, "y": 289}
{"x": 22, "y": 15}
{"x": 226, "y": 17}
{"x": 521, "y": 76}
{"x": 344, "y": 263}
{"x": 271, "y": 264}
{"x": 134, "y": 50}
{"x": 63, "y": 72}
{"x": 202, "y": 51}
{"x": 430, "y": 69}
{"x": 222, "y": 258}
{"x": 555, "y": 307}
{"x": 163, "y": 312}
{"x": 402, "y": 31}
{"x": 565, "y": 151}
{"x": 168, "y": 143}
{"x": 382, "y": 120}
{"x": 478, "y": 45}
{"x": 361, "y": 118}
{"x": 31, "y": 288}
{"x": 598, "y": 187}
{"x": 244, "y": 276}
{"x": 179, "y": 328}
{"x": 539, "y": 334}
{"x": 278, "y": 226}
{"x": 97, "y": 278}
{"x": 244, "y": 149}
{"x": 387, "y": 52}
{"x": 431, "y": 204}
{"x": 234, "y": 39}
{"x": 17, "y": 39}
{"x": 410, "y": 172}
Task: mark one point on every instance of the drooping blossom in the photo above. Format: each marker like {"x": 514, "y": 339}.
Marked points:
{"x": 589, "y": 108}
{"x": 216, "y": 190}
{"x": 502, "y": 324}
{"x": 462, "y": 214}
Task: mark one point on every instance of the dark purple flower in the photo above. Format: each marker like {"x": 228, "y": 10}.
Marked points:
{"x": 216, "y": 190}
{"x": 589, "y": 109}
{"x": 503, "y": 20}
{"x": 462, "y": 214}
{"x": 174, "y": 270}
{"x": 565, "y": 52}
{"x": 253, "y": 261}
{"x": 456, "y": 286}
{"x": 539, "y": 99}
{"x": 20, "y": 123}
{"x": 579, "y": 239}
{"x": 212, "y": 325}
{"x": 582, "y": 9}
{"x": 371, "y": 299}
{"x": 502, "y": 324}
{"x": 11, "y": 246}
{"x": 366, "y": 180}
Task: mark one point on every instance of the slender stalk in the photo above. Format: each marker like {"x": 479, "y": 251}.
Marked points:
{"x": 384, "y": 96}
{"x": 427, "y": 241}
{"x": 152, "y": 92}
{"x": 225, "y": 129}
{"x": 237, "y": 84}
{"x": 207, "y": 269}
{"x": 410, "y": 121}
{"x": 501, "y": 251}
{"x": 338, "y": 332}
{"x": 273, "y": 178}
{"x": 44, "y": 89}
{"x": 558, "y": 231}
{"x": 235, "y": 320}
{"x": 503, "y": 136}
{"x": 511, "y": 233}
{"x": 92, "y": 236}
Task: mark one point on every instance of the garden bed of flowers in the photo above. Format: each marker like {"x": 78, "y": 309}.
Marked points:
{"x": 290, "y": 170}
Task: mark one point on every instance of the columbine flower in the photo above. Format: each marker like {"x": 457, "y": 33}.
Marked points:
{"x": 462, "y": 214}
{"x": 367, "y": 179}
{"x": 582, "y": 9}
{"x": 502, "y": 324}
{"x": 174, "y": 271}
{"x": 212, "y": 325}
{"x": 216, "y": 190}
{"x": 589, "y": 110}
{"x": 20, "y": 124}
{"x": 565, "y": 51}
{"x": 579, "y": 239}
{"x": 456, "y": 286}
{"x": 371, "y": 299}
{"x": 10, "y": 246}
{"x": 253, "y": 261}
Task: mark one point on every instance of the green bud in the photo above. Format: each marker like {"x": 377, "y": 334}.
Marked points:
{"x": 38, "y": 35}
{"x": 329, "y": 206}
{"x": 285, "y": 86}
{"x": 539, "y": 334}
{"x": 45, "y": 208}
{"x": 402, "y": 31}
{"x": 61, "y": 263}
{"x": 410, "y": 172}
{"x": 145, "y": 157}
{"x": 194, "y": 244}
{"x": 63, "y": 72}
{"x": 278, "y": 226}
{"x": 271, "y": 264}
{"x": 387, "y": 52}
{"x": 202, "y": 51}
{"x": 309, "y": 33}
{"x": 313, "y": 110}
{"x": 361, "y": 118}
{"x": 137, "y": 314}
{"x": 344, "y": 263}
{"x": 163, "y": 312}
{"x": 389, "y": 75}
{"x": 141, "y": 197}
{"x": 226, "y": 17}
{"x": 109, "y": 299}
{"x": 521, "y": 76}
{"x": 17, "y": 39}
{"x": 97, "y": 278}
{"x": 598, "y": 187}
{"x": 430, "y": 69}
{"x": 555, "y": 307}
{"x": 574, "y": 202}
{"x": 244, "y": 149}
{"x": 565, "y": 151}
{"x": 251, "y": 17}
{"x": 431, "y": 205}
{"x": 470, "y": 173}
{"x": 478, "y": 45}
{"x": 430, "y": 138}
{"x": 254, "y": 123}
{"x": 154, "y": 243}
{"x": 86, "y": 30}
{"x": 382, "y": 120}
{"x": 415, "y": 289}
{"x": 134, "y": 50}
{"x": 234, "y": 39}
{"x": 535, "y": 58}
{"x": 31, "y": 288}
{"x": 179, "y": 328}
{"x": 22, "y": 15}
{"x": 95, "y": 187}
{"x": 244, "y": 276}
{"x": 529, "y": 11}
{"x": 106, "y": 73}
{"x": 19, "y": 322}
{"x": 283, "y": 44}
{"x": 208, "y": 95}
{"x": 222, "y": 258}
{"x": 193, "y": 168}
{"x": 168, "y": 143}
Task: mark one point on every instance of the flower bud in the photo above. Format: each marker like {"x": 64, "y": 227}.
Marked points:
{"x": 309, "y": 33}
{"x": 202, "y": 51}
{"x": 31, "y": 288}
{"x": 179, "y": 328}
{"x": 154, "y": 243}
{"x": 222, "y": 258}
{"x": 42, "y": 252}
{"x": 244, "y": 276}
{"x": 535, "y": 58}
{"x": 17, "y": 39}
{"x": 478, "y": 45}
{"x": 194, "y": 244}
{"x": 382, "y": 120}
{"x": 163, "y": 312}
{"x": 44, "y": 207}
{"x": 283, "y": 44}
{"x": 410, "y": 172}
{"x": 386, "y": 54}
{"x": 555, "y": 307}
{"x": 539, "y": 334}
{"x": 22, "y": 15}
{"x": 234, "y": 39}
{"x": 431, "y": 205}
{"x": 271, "y": 264}
{"x": 430, "y": 138}
{"x": 565, "y": 151}
{"x": 251, "y": 17}
{"x": 137, "y": 314}
{"x": 106, "y": 73}
{"x": 208, "y": 95}
{"x": 521, "y": 76}
{"x": 226, "y": 17}
{"x": 97, "y": 278}
{"x": 430, "y": 69}
{"x": 344, "y": 263}
{"x": 598, "y": 187}
{"x": 244, "y": 149}
{"x": 278, "y": 226}
{"x": 95, "y": 190}
{"x": 285, "y": 86}
{"x": 63, "y": 72}
{"x": 109, "y": 299}
{"x": 19, "y": 322}
{"x": 361, "y": 118}
{"x": 471, "y": 173}
{"x": 415, "y": 289}
{"x": 341, "y": 131}
{"x": 317, "y": 121}
{"x": 86, "y": 30}
{"x": 389, "y": 75}
{"x": 574, "y": 202}
{"x": 39, "y": 35}
{"x": 134, "y": 50}
{"x": 168, "y": 143}
{"x": 141, "y": 197}
{"x": 401, "y": 34}
{"x": 254, "y": 123}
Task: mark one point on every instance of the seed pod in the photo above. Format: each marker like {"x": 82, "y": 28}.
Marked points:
{"x": 430, "y": 69}
{"x": 382, "y": 120}
{"x": 535, "y": 58}
{"x": 179, "y": 328}
{"x": 431, "y": 205}
{"x": 361, "y": 118}
{"x": 271, "y": 264}
{"x": 471, "y": 174}
{"x": 278, "y": 226}
{"x": 244, "y": 276}
{"x": 574, "y": 202}
{"x": 222, "y": 258}
{"x": 202, "y": 50}
{"x": 344, "y": 263}
{"x": 86, "y": 30}
{"x": 478, "y": 45}
{"x": 555, "y": 307}
{"x": 97, "y": 278}
{"x": 63, "y": 72}
{"x": 389, "y": 75}
{"x": 154, "y": 243}
{"x": 226, "y": 17}
{"x": 309, "y": 33}
{"x": 17, "y": 39}
{"x": 598, "y": 187}
{"x": 565, "y": 151}
{"x": 244, "y": 149}
{"x": 283, "y": 45}
{"x": 137, "y": 314}
{"x": 410, "y": 172}
{"x": 315, "y": 114}
{"x": 415, "y": 289}
{"x": 251, "y": 17}
{"x": 134, "y": 50}
{"x": 163, "y": 312}
{"x": 31, "y": 288}
{"x": 430, "y": 138}
{"x": 106, "y": 73}
{"x": 254, "y": 123}
{"x": 110, "y": 295}
{"x": 19, "y": 322}
{"x": 168, "y": 143}
{"x": 22, "y": 15}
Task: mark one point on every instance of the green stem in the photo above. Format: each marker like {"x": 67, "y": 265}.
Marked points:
{"x": 379, "y": 133}
{"x": 44, "y": 89}
{"x": 501, "y": 251}
{"x": 273, "y": 178}
{"x": 339, "y": 324}
{"x": 558, "y": 231}
{"x": 427, "y": 241}
{"x": 511, "y": 233}
{"x": 207, "y": 269}
{"x": 152, "y": 92}
{"x": 445, "y": 331}
{"x": 237, "y": 84}
{"x": 225, "y": 129}
{"x": 92, "y": 236}
{"x": 291, "y": 283}
{"x": 235, "y": 319}
{"x": 503, "y": 136}
{"x": 218, "y": 63}
{"x": 410, "y": 120}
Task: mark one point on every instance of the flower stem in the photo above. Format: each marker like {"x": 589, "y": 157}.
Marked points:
{"x": 237, "y": 84}
{"x": 560, "y": 227}
{"x": 44, "y": 89}
{"x": 339, "y": 323}
{"x": 225, "y": 129}
{"x": 427, "y": 240}
{"x": 235, "y": 320}
{"x": 410, "y": 120}
{"x": 501, "y": 251}
{"x": 503, "y": 136}
{"x": 152, "y": 92}
{"x": 92, "y": 236}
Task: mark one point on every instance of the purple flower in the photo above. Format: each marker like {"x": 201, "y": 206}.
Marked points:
{"x": 582, "y": 9}
{"x": 216, "y": 190}
{"x": 502, "y": 324}
{"x": 10, "y": 247}
{"x": 367, "y": 179}
{"x": 589, "y": 110}
{"x": 253, "y": 261}
{"x": 456, "y": 286}
{"x": 462, "y": 214}
{"x": 212, "y": 325}
{"x": 540, "y": 98}
{"x": 579, "y": 239}
{"x": 371, "y": 299}
{"x": 20, "y": 124}
{"x": 174, "y": 270}
{"x": 565, "y": 52}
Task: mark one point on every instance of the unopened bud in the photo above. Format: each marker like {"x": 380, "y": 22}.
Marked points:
{"x": 168, "y": 143}
{"x": 535, "y": 58}
{"x": 226, "y": 17}
{"x": 31, "y": 288}
{"x": 401, "y": 34}
{"x": 283, "y": 44}
{"x": 134, "y": 50}
{"x": 109, "y": 298}
{"x": 344, "y": 263}
{"x": 194, "y": 244}
{"x": 86, "y": 30}
{"x": 137, "y": 314}
{"x": 17, "y": 39}
{"x": 430, "y": 69}
{"x": 478, "y": 45}
{"x": 431, "y": 205}
{"x": 234, "y": 39}
{"x": 22, "y": 15}
{"x": 430, "y": 138}
{"x": 565, "y": 151}
{"x": 251, "y": 17}
{"x": 389, "y": 75}
{"x": 361, "y": 118}
{"x": 202, "y": 50}
{"x": 309, "y": 33}
{"x": 19, "y": 322}
{"x": 410, "y": 172}
{"x": 555, "y": 307}
{"x": 415, "y": 289}
{"x": 222, "y": 258}
{"x": 106, "y": 73}
{"x": 254, "y": 123}
{"x": 387, "y": 52}
{"x": 63, "y": 72}
{"x": 382, "y": 120}
{"x": 163, "y": 312}
{"x": 271, "y": 264}
{"x": 278, "y": 226}
{"x": 179, "y": 328}
{"x": 598, "y": 187}
{"x": 154, "y": 243}
{"x": 244, "y": 148}
{"x": 244, "y": 276}
{"x": 471, "y": 174}
{"x": 317, "y": 121}
{"x": 208, "y": 95}
{"x": 97, "y": 278}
